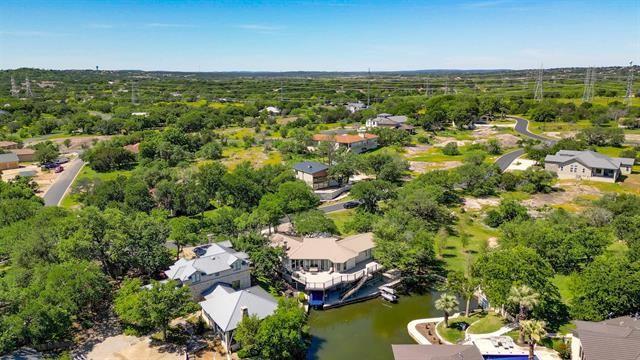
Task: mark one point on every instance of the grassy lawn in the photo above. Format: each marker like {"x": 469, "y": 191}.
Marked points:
{"x": 255, "y": 155}
{"x": 488, "y": 324}
{"x": 88, "y": 173}
{"x": 340, "y": 218}
{"x": 564, "y": 284}
{"x": 539, "y": 127}
{"x": 453, "y": 255}
{"x": 454, "y": 332}
{"x": 515, "y": 195}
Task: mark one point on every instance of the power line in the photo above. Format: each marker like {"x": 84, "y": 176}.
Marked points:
{"x": 587, "y": 94}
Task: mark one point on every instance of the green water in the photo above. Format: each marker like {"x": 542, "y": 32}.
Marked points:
{"x": 366, "y": 330}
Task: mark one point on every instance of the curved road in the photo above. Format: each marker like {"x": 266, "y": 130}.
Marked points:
{"x": 59, "y": 188}
{"x": 522, "y": 127}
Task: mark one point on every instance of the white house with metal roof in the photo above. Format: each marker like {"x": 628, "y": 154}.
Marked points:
{"x": 220, "y": 264}
{"x": 389, "y": 121}
{"x": 587, "y": 165}
{"x": 225, "y": 307}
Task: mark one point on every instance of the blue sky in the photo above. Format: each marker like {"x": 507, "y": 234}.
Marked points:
{"x": 312, "y": 35}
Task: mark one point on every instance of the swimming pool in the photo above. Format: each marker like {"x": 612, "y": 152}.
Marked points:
{"x": 506, "y": 357}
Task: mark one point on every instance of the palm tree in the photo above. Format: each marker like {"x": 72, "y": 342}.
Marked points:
{"x": 527, "y": 299}
{"x": 447, "y": 304}
{"x": 534, "y": 330}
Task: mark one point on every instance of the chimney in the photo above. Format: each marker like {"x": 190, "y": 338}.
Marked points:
{"x": 286, "y": 245}
{"x": 245, "y": 312}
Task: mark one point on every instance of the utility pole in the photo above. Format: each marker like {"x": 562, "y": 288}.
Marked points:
{"x": 592, "y": 84}
{"x": 28, "y": 87}
{"x": 426, "y": 88}
{"x": 629, "y": 94}
{"x": 446, "y": 86}
{"x": 14, "y": 88}
{"x": 369, "y": 88}
{"x": 537, "y": 95}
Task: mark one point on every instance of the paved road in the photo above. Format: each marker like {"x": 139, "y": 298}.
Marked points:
{"x": 522, "y": 125}
{"x": 333, "y": 207}
{"x": 56, "y": 191}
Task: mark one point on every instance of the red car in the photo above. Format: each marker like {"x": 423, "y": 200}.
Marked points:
{"x": 59, "y": 169}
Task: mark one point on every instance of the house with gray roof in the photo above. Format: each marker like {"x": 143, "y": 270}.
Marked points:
{"x": 9, "y": 161}
{"x": 354, "y": 107}
{"x": 436, "y": 352}
{"x": 389, "y": 121}
{"x": 314, "y": 174}
{"x": 220, "y": 264}
{"x": 617, "y": 338}
{"x": 225, "y": 307}
{"x": 587, "y": 165}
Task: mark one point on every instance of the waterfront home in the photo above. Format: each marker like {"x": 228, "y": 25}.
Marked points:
{"x": 389, "y": 121}
{"x": 436, "y": 352}
{"x": 328, "y": 267}
{"x": 219, "y": 264}
{"x": 617, "y": 338}
{"x": 357, "y": 143}
{"x": 314, "y": 174}
{"x": 587, "y": 165}
{"x": 224, "y": 308}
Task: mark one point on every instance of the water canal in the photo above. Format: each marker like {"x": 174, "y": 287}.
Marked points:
{"x": 366, "y": 330}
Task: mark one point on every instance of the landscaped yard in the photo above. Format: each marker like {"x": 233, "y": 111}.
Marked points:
{"x": 478, "y": 323}
{"x": 477, "y": 235}
{"x": 487, "y": 324}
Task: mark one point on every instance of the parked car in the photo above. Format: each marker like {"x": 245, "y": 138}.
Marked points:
{"x": 59, "y": 169}
{"x": 351, "y": 204}
{"x": 48, "y": 166}
{"x": 61, "y": 160}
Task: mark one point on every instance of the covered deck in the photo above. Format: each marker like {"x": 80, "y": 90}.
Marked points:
{"x": 324, "y": 280}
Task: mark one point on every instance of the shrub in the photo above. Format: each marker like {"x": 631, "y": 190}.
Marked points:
{"x": 451, "y": 149}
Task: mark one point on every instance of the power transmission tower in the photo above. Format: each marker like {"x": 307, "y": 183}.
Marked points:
{"x": 427, "y": 90}
{"x": 14, "y": 88}
{"x": 369, "y": 87}
{"x": 134, "y": 99}
{"x": 592, "y": 84}
{"x": 537, "y": 95}
{"x": 281, "y": 91}
{"x": 28, "y": 87}
{"x": 629, "y": 94}
{"x": 446, "y": 86}
{"x": 587, "y": 93}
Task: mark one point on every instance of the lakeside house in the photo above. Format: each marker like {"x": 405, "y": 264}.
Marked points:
{"x": 329, "y": 268}
{"x": 389, "y": 121}
{"x": 219, "y": 264}
{"x": 357, "y": 143}
{"x": 587, "y": 165}
{"x": 436, "y": 352}
{"x": 9, "y": 161}
{"x": 617, "y": 338}
{"x": 354, "y": 107}
{"x": 314, "y": 174}
{"x": 224, "y": 308}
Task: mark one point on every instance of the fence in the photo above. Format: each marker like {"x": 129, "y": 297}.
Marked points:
{"x": 337, "y": 280}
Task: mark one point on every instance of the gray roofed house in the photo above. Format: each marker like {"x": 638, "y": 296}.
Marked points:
{"x": 314, "y": 174}
{"x": 220, "y": 264}
{"x": 436, "y": 352}
{"x": 389, "y": 121}
{"x": 8, "y": 161}
{"x": 617, "y": 338}
{"x": 355, "y": 106}
{"x": 225, "y": 307}
{"x": 587, "y": 165}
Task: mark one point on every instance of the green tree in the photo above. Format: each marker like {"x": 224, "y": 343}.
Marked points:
{"x": 371, "y": 192}
{"x": 451, "y": 149}
{"x": 313, "y": 222}
{"x": 246, "y": 335}
{"x": 46, "y": 151}
{"x": 535, "y": 332}
{"x": 463, "y": 286}
{"x": 526, "y": 299}
{"x": 152, "y": 308}
{"x": 447, "y": 304}
{"x": 608, "y": 286}
{"x": 283, "y": 335}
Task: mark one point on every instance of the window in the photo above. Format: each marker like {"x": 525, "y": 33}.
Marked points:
{"x": 196, "y": 277}
{"x": 235, "y": 284}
